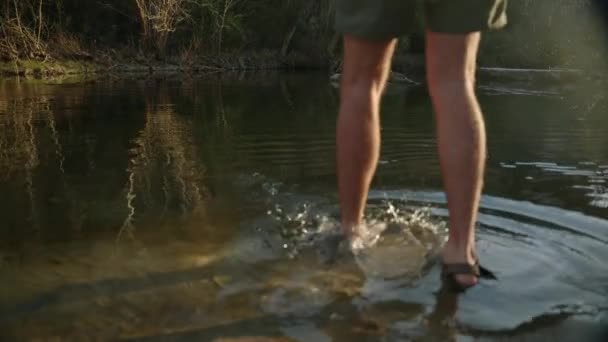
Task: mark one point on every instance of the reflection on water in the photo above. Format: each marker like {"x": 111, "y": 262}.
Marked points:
{"x": 192, "y": 209}
{"x": 163, "y": 153}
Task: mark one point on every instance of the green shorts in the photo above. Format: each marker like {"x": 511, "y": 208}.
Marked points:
{"x": 393, "y": 18}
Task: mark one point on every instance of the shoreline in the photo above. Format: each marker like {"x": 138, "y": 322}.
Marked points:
{"x": 256, "y": 61}
{"x": 408, "y": 66}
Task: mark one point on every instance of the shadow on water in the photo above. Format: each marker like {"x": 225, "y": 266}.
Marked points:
{"x": 189, "y": 209}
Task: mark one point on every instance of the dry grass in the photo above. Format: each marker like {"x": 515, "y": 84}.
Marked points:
{"x": 188, "y": 54}
{"x": 159, "y": 19}
{"x": 20, "y": 37}
{"x": 68, "y": 45}
{"x": 19, "y": 41}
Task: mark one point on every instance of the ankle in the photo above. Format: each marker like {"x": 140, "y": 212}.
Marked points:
{"x": 350, "y": 229}
{"x": 461, "y": 250}
{"x": 460, "y": 244}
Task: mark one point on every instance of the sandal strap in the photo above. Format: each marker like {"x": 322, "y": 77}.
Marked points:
{"x": 486, "y": 273}
{"x": 452, "y": 269}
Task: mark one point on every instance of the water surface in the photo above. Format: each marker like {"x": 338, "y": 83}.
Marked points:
{"x": 168, "y": 208}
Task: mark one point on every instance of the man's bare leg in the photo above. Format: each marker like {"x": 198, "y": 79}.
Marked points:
{"x": 365, "y": 70}
{"x": 451, "y": 62}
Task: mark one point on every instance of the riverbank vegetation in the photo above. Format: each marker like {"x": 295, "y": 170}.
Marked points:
{"x": 243, "y": 34}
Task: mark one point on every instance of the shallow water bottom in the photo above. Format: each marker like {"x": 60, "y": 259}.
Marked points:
{"x": 250, "y": 285}
{"x": 163, "y": 209}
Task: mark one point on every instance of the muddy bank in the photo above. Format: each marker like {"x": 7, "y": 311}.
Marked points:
{"x": 256, "y": 61}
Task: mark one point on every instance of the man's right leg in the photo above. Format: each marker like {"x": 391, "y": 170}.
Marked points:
{"x": 364, "y": 74}
{"x": 451, "y": 63}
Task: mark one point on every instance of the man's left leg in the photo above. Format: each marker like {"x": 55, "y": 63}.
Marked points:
{"x": 365, "y": 70}
{"x": 461, "y": 139}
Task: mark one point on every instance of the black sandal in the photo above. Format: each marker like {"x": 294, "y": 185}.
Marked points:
{"x": 449, "y": 271}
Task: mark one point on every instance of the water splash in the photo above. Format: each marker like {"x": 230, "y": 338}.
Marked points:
{"x": 400, "y": 243}
{"x": 301, "y": 226}
{"x": 396, "y": 240}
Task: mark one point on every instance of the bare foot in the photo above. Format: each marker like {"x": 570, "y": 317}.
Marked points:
{"x": 364, "y": 235}
{"x": 453, "y": 254}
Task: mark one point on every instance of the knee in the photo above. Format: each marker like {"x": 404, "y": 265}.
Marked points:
{"x": 356, "y": 92}
{"x": 453, "y": 81}
{"x": 363, "y": 84}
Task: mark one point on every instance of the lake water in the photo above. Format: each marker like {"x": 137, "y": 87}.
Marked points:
{"x": 172, "y": 208}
